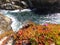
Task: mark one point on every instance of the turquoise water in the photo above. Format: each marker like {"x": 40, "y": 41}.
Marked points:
{"x": 40, "y": 19}
{"x": 18, "y": 18}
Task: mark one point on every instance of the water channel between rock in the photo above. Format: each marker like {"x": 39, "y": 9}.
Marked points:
{"x": 19, "y": 17}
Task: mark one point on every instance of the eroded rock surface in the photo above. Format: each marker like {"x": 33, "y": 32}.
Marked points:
{"x": 5, "y": 23}
{"x": 11, "y": 4}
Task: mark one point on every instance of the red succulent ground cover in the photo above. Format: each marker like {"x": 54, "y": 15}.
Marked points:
{"x": 35, "y": 34}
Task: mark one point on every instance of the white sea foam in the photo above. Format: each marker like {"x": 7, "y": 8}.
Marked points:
{"x": 14, "y": 11}
{"x": 15, "y": 23}
{"x": 25, "y": 10}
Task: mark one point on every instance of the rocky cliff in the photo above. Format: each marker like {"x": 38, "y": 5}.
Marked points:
{"x": 10, "y": 4}
{"x": 46, "y": 6}
{"x": 5, "y": 24}
{"x": 41, "y": 5}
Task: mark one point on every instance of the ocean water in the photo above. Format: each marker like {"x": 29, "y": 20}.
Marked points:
{"x": 18, "y": 18}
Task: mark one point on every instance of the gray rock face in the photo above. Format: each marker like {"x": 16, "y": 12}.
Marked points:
{"x": 5, "y": 23}
{"x": 9, "y": 6}
{"x": 41, "y": 5}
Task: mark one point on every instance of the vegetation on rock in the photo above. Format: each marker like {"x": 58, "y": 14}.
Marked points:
{"x": 34, "y": 34}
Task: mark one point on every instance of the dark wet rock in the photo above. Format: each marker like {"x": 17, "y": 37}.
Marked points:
{"x": 41, "y": 6}
{"x": 44, "y": 6}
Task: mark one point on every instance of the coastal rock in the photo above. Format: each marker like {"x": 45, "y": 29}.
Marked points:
{"x": 5, "y": 24}
{"x": 43, "y": 6}
{"x": 11, "y": 4}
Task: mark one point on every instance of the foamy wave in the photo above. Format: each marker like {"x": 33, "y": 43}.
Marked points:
{"x": 15, "y": 23}
{"x": 14, "y": 11}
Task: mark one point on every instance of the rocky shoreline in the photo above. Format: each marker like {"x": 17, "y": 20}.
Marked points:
{"x": 11, "y": 5}
{"x": 47, "y": 6}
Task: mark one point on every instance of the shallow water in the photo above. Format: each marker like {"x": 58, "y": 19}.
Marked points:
{"x": 19, "y": 17}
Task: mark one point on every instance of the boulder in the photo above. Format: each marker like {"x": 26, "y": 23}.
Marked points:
{"x": 11, "y": 4}
{"x": 5, "y": 24}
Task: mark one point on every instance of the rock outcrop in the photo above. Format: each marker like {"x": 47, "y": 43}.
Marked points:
{"x": 44, "y": 6}
{"x": 41, "y": 5}
{"x": 11, "y": 4}
{"x": 5, "y": 24}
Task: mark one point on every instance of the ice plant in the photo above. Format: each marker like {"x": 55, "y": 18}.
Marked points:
{"x": 48, "y": 34}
